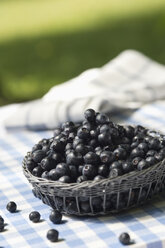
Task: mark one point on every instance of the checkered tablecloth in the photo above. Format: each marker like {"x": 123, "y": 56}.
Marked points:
{"x": 146, "y": 224}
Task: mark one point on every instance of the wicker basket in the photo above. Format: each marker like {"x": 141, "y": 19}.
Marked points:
{"x": 103, "y": 197}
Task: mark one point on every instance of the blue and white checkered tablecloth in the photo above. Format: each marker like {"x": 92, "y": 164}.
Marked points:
{"x": 146, "y": 224}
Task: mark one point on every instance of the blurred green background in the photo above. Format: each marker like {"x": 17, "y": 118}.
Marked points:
{"x": 46, "y": 42}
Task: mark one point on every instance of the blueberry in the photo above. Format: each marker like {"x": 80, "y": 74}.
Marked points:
{"x": 1, "y": 227}
{"x": 62, "y": 169}
{"x": 102, "y": 119}
{"x": 125, "y": 140}
{"x": 154, "y": 144}
{"x": 124, "y": 238}
{"x": 90, "y": 115}
{"x": 81, "y": 148}
{"x": 134, "y": 144}
{"x": 83, "y": 133}
{"x": 91, "y": 158}
{"x": 81, "y": 179}
{"x": 53, "y": 175}
{"x": 120, "y": 153}
{"x": 46, "y": 164}
{"x": 74, "y": 158}
{"x": 56, "y": 157}
{"x": 158, "y": 156}
{"x": 57, "y": 131}
{"x": 105, "y": 138}
{"x": 126, "y": 147}
{"x": 64, "y": 179}
{"x": 98, "y": 178}
{"x": 73, "y": 171}
{"x": 45, "y": 175}
{"x": 104, "y": 128}
{"x": 129, "y": 131}
{"x": 93, "y": 143}
{"x": 37, "y": 171}
{"x": 143, "y": 146}
{"x": 116, "y": 164}
{"x": 115, "y": 173}
{"x": 69, "y": 146}
{"x": 98, "y": 150}
{"x": 103, "y": 170}
{"x": 11, "y": 207}
{"x": 151, "y": 160}
{"x": 80, "y": 167}
{"x": 52, "y": 235}
{"x": 150, "y": 153}
{"x": 137, "y": 152}
{"x": 94, "y": 133}
{"x": 107, "y": 157}
{"x": 38, "y": 155}
{"x": 30, "y": 164}
{"x": 67, "y": 124}
{"x": 58, "y": 146}
{"x": 127, "y": 167}
{"x": 55, "y": 216}
{"x": 135, "y": 161}
{"x": 143, "y": 164}
{"x": 77, "y": 142}
{"x": 36, "y": 147}
{"x": 89, "y": 171}
{"x": 34, "y": 216}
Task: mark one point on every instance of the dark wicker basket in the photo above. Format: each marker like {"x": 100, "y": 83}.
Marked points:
{"x": 103, "y": 197}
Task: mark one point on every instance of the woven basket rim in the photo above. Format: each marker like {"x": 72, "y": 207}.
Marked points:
{"x": 89, "y": 183}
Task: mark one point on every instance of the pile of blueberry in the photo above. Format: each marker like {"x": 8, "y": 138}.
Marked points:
{"x": 94, "y": 149}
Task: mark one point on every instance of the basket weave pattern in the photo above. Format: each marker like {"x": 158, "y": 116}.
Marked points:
{"x": 102, "y": 197}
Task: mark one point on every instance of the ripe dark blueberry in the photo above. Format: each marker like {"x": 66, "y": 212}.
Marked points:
{"x": 93, "y": 143}
{"x": 102, "y": 119}
{"x": 81, "y": 148}
{"x": 88, "y": 126}
{"x": 89, "y": 171}
{"x": 56, "y": 157}
{"x": 38, "y": 155}
{"x": 57, "y": 131}
{"x": 129, "y": 131}
{"x": 98, "y": 178}
{"x": 69, "y": 146}
{"x": 150, "y": 153}
{"x": 154, "y": 144}
{"x": 55, "y": 216}
{"x": 135, "y": 161}
{"x": 137, "y": 152}
{"x": 57, "y": 146}
{"x": 1, "y": 220}
{"x": 143, "y": 146}
{"x": 120, "y": 153}
{"x": 83, "y": 133}
{"x": 134, "y": 144}
{"x": 74, "y": 158}
{"x": 98, "y": 150}
{"x": 151, "y": 160}
{"x": 158, "y": 156}
{"x": 36, "y": 147}
{"x": 162, "y": 151}
{"x": 143, "y": 164}
{"x": 104, "y": 128}
{"x": 62, "y": 169}
{"x": 37, "y": 171}
{"x": 91, "y": 158}
{"x": 11, "y": 207}
{"x": 103, "y": 170}
{"x": 127, "y": 167}
{"x": 105, "y": 138}
{"x": 94, "y": 133}
{"x": 53, "y": 175}
{"x": 34, "y": 216}
{"x": 52, "y": 235}
{"x": 115, "y": 173}
{"x": 64, "y": 179}
{"x": 107, "y": 157}
{"x": 90, "y": 115}
{"x": 81, "y": 179}
{"x": 77, "y": 141}
{"x": 126, "y": 147}
{"x": 116, "y": 164}
{"x": 30, "y": 164}
{"x": 45, "y": 175}
{"x": 71, "y": 137}
{"x": 46, "y": 164}
{"x": 125, "y": 238}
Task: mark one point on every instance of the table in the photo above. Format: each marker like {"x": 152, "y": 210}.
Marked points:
{"x": 146, "y": 225}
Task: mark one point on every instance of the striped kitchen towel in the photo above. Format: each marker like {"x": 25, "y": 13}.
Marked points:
{"x": 124, "y": 84}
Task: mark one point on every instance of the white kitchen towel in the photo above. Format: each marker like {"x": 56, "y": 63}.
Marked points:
{"x": 125, "y": 83}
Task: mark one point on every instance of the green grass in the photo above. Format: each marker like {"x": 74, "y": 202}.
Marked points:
{"x": 43, "y": 42}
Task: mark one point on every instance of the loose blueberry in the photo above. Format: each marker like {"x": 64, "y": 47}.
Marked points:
{"x": 34, "y": 216}
{"x": 125, "y": 238}
{"x": 11, "y": 207}
{"x": 52, "y": 235}
{"x": 55, "y": 216}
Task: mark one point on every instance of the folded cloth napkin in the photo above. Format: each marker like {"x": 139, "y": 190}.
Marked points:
{"x": 125, "y": 83}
